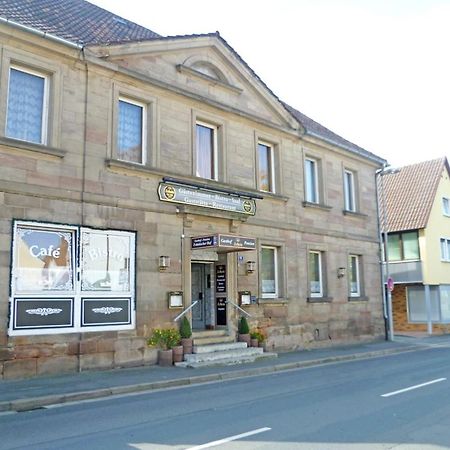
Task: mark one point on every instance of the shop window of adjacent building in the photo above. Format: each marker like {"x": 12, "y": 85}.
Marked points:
{"x": 206, "y": 163}
{"x": 349, "y": 191}
{"x": 266, "y": 167}
{"x": 27, "y": 107}
{"x": 315, "y": 274}
{"x": 446, "y": 206}
{"x": 417, "y": 307}
{"x": 403, "y": 246}
{"x": 131, "y": 133}
{"x": 354, "y": 268}
{"x": 311, "y": 169}
{"x": 269, "y": 272}
{"x": 445, "y": 249}
{"x": 71, "y": 279}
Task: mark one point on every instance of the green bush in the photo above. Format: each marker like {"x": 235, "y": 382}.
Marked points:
{"x": 165, "y": 339}
{"x": 243, "y": 327}
{"x": 258, "y": 334}
{"x": 185, "y": 328}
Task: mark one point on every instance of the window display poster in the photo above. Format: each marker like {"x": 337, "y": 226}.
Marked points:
{"x": 43, "y": 260}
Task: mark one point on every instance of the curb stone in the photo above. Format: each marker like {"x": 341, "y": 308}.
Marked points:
{"x": 21, "y": 405}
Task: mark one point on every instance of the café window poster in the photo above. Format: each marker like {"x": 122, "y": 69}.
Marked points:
{"x": 105, "y": 261}
{"x": 44, "y": 259}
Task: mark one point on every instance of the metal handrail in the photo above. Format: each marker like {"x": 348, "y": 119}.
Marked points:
{"x": 185, "y": 311}
{"x": 239, "y": 308}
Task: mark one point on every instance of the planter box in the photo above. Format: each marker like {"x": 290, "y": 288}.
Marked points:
{"x": 165, "y": 357}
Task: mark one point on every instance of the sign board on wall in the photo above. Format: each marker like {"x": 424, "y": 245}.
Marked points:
{"x": 223, "y": 241}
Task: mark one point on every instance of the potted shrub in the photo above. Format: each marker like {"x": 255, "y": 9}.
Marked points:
{"x": 257, "y": 338}
{"x": 166, "y": 340}
{"x": 244, "y": 331}
{"x": 186, "y": 335}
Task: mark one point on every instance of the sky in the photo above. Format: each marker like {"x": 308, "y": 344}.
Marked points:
{"x": 376, "y": 72}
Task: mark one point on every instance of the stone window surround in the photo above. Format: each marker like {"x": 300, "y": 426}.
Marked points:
{"x": 321, "y": 185}
{"x": 53, "y": 72}
{"x": 323, "y": 250}
{"x": 351, "y": 190}
{"x": 150, "y": 134}
{"x": 275, "y": 145}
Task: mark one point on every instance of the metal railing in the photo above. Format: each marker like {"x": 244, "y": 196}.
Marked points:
{"x": 239, "y": 308}
{"x": 185, "y": 311}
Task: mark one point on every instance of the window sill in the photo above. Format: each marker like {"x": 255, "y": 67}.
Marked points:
{"x": 274, "y": 196}
{"x": 272, "y": 301}
{"x": 362, "y": 298}
{"x": 319, "y": 299}
{"x": 31, "y": 147}
{"x": 321, "y": 206}
{"x": 354, "y": 214}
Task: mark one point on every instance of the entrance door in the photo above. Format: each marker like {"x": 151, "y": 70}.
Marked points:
{"x": 198, "y": 292}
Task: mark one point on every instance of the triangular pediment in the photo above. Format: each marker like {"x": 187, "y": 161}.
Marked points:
{"x": 204, "y": 67}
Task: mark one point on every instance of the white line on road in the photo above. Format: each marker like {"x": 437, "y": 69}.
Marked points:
{"x": 229, "y": 439}
{"x": 417, "y": 386}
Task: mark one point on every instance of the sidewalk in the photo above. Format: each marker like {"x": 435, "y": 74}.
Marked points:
{"x": 27, "y": 394}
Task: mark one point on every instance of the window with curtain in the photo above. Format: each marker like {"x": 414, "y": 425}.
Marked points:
{"x": 27, "y": 106}
{"x": 131, "y": 132}
{"x": 349, "y": 191}
{"x": 315, "y": 274}
{"x": 445, "y": 249}
{"x": 269, "y": 272}
{"x": 311, "y": 181}
{"x": 206, "y": 152}
{"x": 265, "y": 167}
{"x": 354, "y": 276}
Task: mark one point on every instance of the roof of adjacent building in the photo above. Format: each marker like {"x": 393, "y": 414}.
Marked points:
{"x": 84, "y": 23}
{"x": 406, "y": 197}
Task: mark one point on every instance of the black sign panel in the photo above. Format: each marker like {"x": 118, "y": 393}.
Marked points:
{"x": 108, "y": 311}
{"x": 204, "y": 241}
{"x": 221, "y": 279}
{"x": 221, "y": 310}
{"x": 43, "y": 313}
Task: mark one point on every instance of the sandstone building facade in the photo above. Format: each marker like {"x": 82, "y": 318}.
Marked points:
{"x": 140, "y": 174}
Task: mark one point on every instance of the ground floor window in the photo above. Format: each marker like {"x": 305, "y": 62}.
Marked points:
{"x": 315, "y": 272}
{"x": 69, "y": 278}
{"x": 269, "y": 272}
{"x": 439, "y": 301}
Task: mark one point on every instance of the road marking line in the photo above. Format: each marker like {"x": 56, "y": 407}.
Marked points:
{"x": 229, "y": 439}
{"x": 417, "y": 386}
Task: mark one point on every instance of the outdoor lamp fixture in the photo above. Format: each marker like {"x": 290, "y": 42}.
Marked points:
{"x": 383, "y": 237}
{"x": 250, "y": 267}
{"x": 341, "y": 272}
{"x": 164, "y": 263}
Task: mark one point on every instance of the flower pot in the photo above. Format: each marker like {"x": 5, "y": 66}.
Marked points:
{"x": 254, "y": 342}
{"x": 165, "y": 357}
{"x": 187, "y": 344}
{"x": 244, "y": 338}
{"x": 177, "y": 353}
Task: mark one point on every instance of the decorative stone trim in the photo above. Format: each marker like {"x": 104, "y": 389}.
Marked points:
{"x": 31, "y": 147}
{"x": 354, "y": 214}
{"x": 321, "y": 206}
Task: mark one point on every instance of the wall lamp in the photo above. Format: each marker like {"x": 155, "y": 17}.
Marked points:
{"x": 164, "y": 263}
{"x": 341, "y": 272}
{"x": 250, "y": 267}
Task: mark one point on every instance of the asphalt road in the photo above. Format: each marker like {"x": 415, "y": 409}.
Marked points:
{"x": 398, "y": 402}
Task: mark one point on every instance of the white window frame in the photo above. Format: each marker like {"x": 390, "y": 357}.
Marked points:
{"x": 143, "y": 130}
{"x": 320, "y": 293}
{"x": 77, "y": 296}
{"x": 271, "y": 162}
{"x": 45, "y": 105}
{"x": 307, "y": 174}
{"x": 215, "y": 154}
{"x": 446, "y": 206}
{"x": 357, "y": 262}
{"x": 445, "y": 249}
{"x": 349, "y": 191}
{"x": 275, "y": 263}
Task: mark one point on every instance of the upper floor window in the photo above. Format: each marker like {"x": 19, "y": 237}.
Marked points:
{"x": 446, "y": 206}
{"x": 266, "y": 175}
{"x": 354, "y": 275}
{"x": 403, "y": 246}
{"x": 311, "y": 181}
{"x": 206, "y": 151}
{"x": 349, "y": 191}
{"x": 131, "y": 131}
{"x": 445, "y": 249}
{"x": 269, "y": 272}
{"x": 27, "y": 106}
{"x": 315, "y": 274}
